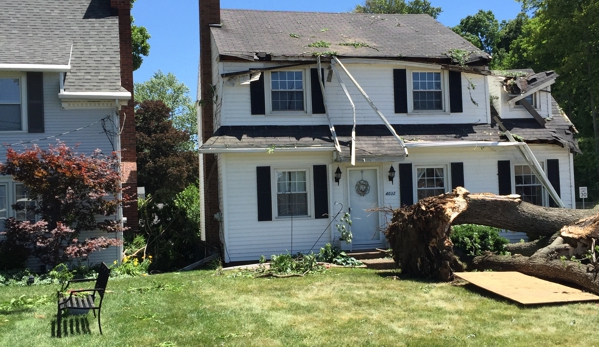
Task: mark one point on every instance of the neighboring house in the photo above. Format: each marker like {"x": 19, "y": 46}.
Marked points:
{"x": 66, "y": 73}
{"x": 279, "y": 159}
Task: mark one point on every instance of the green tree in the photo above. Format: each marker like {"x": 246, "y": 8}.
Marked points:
{"x": 165, "y": 165}
{"x": 139, "y": 41}
{"x": 481, "y": 29}
{"x": 175, "y": 95}
{"x": 485, "y": 32}
{"x": 399, "y": 7}
{"x": 563, "y": 35}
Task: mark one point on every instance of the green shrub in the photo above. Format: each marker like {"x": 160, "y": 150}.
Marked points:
{"x": 330, "y": 254}
{"x": 474, "y": 240}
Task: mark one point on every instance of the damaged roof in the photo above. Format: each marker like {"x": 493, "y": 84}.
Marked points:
{"x": 280, "y": 35}
{"x": 376, "y": 141}
{"x": 81, "y": 33}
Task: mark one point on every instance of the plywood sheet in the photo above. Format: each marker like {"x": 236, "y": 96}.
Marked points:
{"x": 525, "y": 289}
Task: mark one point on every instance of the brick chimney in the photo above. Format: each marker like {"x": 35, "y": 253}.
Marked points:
{"x": 209, "y": 14}
{"x": 127, "y": 113}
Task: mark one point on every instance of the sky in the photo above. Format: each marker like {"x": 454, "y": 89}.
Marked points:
{"x": 173, "y": 26}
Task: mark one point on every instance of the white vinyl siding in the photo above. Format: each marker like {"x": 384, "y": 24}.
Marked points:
{"x": 377, "y": 82}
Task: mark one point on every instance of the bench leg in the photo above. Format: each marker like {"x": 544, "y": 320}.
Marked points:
{"x": 99, "y": 325}
{"x": 58, "y": 323}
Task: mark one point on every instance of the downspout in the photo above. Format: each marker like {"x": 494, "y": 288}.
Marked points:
{"x": 376, "y": 110}
{"x": 326, "y": 108}
{"x": 353, "y": 130}
{"x": 119, "y": 212}
{"x": 534, "y": 165}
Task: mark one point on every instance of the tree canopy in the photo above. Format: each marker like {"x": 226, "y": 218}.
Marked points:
{"x": 175, "y": 96}
{"x": 399, "y": 7}
{"x": 166, "y": 166}
{"x": 139, "y": 41}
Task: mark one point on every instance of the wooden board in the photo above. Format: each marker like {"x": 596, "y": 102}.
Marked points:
{"x": 525, "y": 289}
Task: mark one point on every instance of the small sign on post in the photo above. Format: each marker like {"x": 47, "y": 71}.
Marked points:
{"x": 583, "y": 193}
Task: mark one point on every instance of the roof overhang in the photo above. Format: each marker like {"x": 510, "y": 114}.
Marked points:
{"x": 35, "y": 67}
{"x": 95, "y": 95}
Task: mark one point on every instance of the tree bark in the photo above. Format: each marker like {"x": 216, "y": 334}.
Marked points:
{"x": 420, "y": 236}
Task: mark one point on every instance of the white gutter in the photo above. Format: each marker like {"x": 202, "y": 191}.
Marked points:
{"x": 353, "y": 130}
{"x": 326, "y": 108}
{"x": 512, "y": 102}
{"x": 454, "y": 144}
{"x": 35, "y": 67}
{"x": 264, "y": 150}
{"x": 95, "y": 95}
{"x": 376, "y": 110}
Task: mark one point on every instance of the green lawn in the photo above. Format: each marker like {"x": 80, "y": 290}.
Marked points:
{"x": 341, "y": 307}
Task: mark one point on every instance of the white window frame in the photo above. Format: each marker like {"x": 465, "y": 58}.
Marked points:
{"x": 307, "y": 93}
{"x": 544, "y": 194}
{"x": 534, "y": 102}
{"x": 445, "y": 178}
{"x": 23, "y": 86}
{"x": 6, "y": 209}
{"x": 444, "y": 92}
{"x": 275, "y": 192}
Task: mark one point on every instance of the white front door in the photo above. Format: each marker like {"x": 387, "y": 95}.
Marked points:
{"x": 364, "y": 195}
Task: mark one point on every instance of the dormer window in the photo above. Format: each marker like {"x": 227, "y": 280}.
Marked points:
{"x": 530, "y": 98}
{"x": 11, "y": 109}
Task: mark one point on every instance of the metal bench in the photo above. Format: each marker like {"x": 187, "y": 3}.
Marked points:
{"x": 81, "y": 301}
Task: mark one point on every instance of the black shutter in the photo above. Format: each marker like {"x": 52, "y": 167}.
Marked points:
{"x": 321, "y": 200}
{"x": 553, "y": 176}
{"x": 264, "y": 195}
{"x": 400, "y": 92}
{"x": 257, "y": 95}
{"x": 455, "y": 92}
{"x": 35, "y": 102}
{"x": 504, "y": 177}
{"x": 317, "y": 99}
{"x": 457, "y": 175}
{"x": 406, "y": 192}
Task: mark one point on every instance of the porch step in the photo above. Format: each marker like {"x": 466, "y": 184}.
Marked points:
{"x": 379, "y": 264}
{"x": 369, "y": 254}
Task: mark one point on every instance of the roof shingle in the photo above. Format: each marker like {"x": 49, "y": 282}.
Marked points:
{"x": 44, "y": 32}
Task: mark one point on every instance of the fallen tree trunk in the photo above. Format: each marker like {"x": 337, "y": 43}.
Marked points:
{"x": 420, "y": 237}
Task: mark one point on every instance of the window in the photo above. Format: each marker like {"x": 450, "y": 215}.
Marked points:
{"x": 287, "y": 90}
{"x": 11, "y": 113}
{"x": 426, "y": 89}
{"x": 530, "y": 99}
{"x": 292, "y": 193}
{"x": 430, "y": 181}
{"x": 527, "y": 185}
{"x": 26, "y": 205}
{"x": 14, "y": 193}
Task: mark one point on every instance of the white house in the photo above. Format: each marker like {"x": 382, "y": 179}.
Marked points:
{"x": 66, "y": 74}
{"x": 403, "y": 108}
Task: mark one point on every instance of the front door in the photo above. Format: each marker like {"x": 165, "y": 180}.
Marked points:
{"x": 364, "y": 195}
